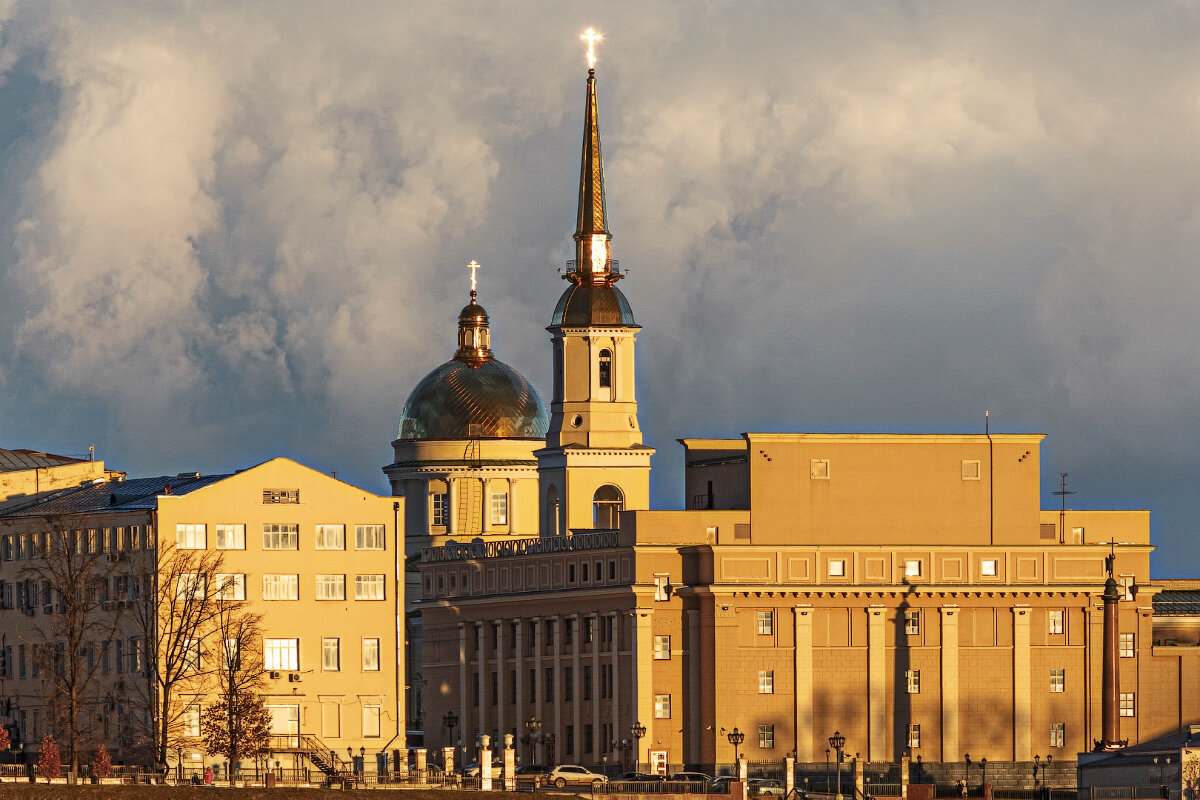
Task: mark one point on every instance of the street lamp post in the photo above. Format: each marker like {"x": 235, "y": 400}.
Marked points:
{"x": 736, "y": 738}
{"x": 533, "y": 726}
{"x": 450, "y": 721}
{"x": 827, "y": 781}
{"x": 637, "y": 730}
{"x": 983, "y": 766}
{"x": 966, "y": 772}
{"x": 837, "y": 742}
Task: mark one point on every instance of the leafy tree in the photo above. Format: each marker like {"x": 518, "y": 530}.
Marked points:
{"x": 102, "y": 763}
{"x": 237, "y": 727}
{"x": 5, "y": 741}
{"x": 49, "y": 764}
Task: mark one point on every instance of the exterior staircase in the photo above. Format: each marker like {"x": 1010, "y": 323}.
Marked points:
{"x": 324, "y": 758}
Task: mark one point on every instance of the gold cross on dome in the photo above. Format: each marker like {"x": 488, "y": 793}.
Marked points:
{"x": 591, "y": 37}
{"x": 474, "y": 267}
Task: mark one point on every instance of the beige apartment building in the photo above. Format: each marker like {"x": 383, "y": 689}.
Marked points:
{"x": 906, "y": 590}
{"x": 317, "y": 559}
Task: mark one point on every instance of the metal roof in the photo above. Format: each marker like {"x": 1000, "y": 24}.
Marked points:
{"x": 115, "y": 496}
{"x": 19, "y": 460}
{"x": 1177, "y": 602}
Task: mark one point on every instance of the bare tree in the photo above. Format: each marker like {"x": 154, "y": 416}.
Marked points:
{"x": 69, "y": 578}
{"x": 237, "y": 725}
{"x": 176, "y": 615}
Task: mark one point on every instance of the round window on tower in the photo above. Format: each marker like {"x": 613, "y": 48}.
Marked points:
{"x": 576, "y": 421}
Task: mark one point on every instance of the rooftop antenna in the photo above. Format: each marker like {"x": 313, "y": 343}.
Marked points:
{"x": 1062, "y": 513}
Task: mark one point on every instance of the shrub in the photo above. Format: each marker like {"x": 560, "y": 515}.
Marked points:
{"x": 102, "y": 763}
{"x": 49, "y": 763}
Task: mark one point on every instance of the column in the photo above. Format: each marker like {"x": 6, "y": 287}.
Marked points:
{"x": 512, "y": 506}
{"x": 576, "y": 694}
{"x": 642, "y": 660}
{"x": 606, "y": 747}
{"x": 452, "y": 506}
{"x": 694, "y": 730}
{"x": 518, "y": 667}
{"x": 877, "y": 733}
{"x": 803, "y": 687}
{"x": 500, "y": 670}
{"x": 949, "y": 636}
{"x": 481, "y": 679}
{"x": 462, "y": 678}
{"x": 557, "y": 704}
{"x": 485, "y": 504}
{"x": 1022, "y": 688}
{"x": 538, "y": 691}
{"x": 616, "y": 681}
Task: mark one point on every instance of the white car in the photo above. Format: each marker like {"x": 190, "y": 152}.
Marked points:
{"x": 565, "y": 774}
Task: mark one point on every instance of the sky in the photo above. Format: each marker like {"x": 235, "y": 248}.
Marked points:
{"x": 230, "y": 231}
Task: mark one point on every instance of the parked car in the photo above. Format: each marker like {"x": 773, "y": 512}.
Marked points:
{"x": 721, "y": 783}
{"x": 472, "y": 770}
{"x": 641, "y": 777}
{"x": 529, "y": 770}
{"x": 574, "y": 774}
{"x": 764, "y": 787}
{"x": 692, "y": 777}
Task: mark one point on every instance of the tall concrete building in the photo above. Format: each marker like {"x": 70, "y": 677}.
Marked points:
{"x": 905, "y": 590}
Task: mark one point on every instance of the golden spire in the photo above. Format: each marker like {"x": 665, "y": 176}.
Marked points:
{"x": 593, "y": 263}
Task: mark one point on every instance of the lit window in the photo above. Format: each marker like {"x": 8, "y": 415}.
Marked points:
{"x": 766, "y": 736}
{"x": 914, "y": 736}
{"x": 368, "y": 537}
{"x": 1127, "y": 645}
{"x": 191, "y": 721}
{"x": 499, "y": 508}
{"x": 281, "y": 654}
{"x": 231, "y": 586}
{"x": 837, "y": 568}
{"x": 765, "y": 621}
{"x": 331, "y": 587}
{"x": 371, "y": 718}
{"x": 987, "y": 568}
{"x": 191, "y": 584}
{"x": 662, "y": 648}
{"x": 662, "y": 706}
{"x": 281, "y": 537}
{"x": 1055, "y": 622}
{"x": 368, "y": 587}
{"x": 1128, "y": 706}
{"x": 281, "y": 587}
{"x": 191, "y": 655}
{"x": 662, "y": 587}
{"x": 912, "y": 678}
{"x": 331, "y": 654}
{"x": 912, "y": 622}
{"x": 766, "y": 681}
{"x": 190, "y": 537}
{"x": 1058, "y": 680}
{"x": 370, "y": 655}
{"x": 912, "y": 568}
{"x": 231, "y": 537}
{"x": 439, "y": 509}
{"x": 331, "y": 537}
{"x": 1058, "y": 734}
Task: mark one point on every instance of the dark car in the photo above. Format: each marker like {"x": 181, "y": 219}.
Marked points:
{"x": 529, "y": 770}
{"x": 640, "y": 777}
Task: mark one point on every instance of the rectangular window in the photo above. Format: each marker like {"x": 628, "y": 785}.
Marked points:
{"x": 371, "y": 721}
{"x": 837, "y": 568}
{"x": 191, "y": 655}
{"x": 568, "y": 684}
{"x": 440, "y": 510}
{"x": 190, "y": 537}
{"x": 368, "y": 537}
{"x": 912, "y": 677}
{"x": 914, "y": 736}
{"x": 587, "y": 682}
{"x": 331, "y": 587}
{"x": 499, "y": 508}
{"x": 912, "y": 568}
{"x": 1128, "y": 705}
{"x": 1054, "y": 622}
{"x": 1126, "y": 582}
{"x": 766, "y": 622}
{"x": 662, "y": 648}
{"x": 662, "y": 587}
{"x": 331, "y": 537}
{"x": 987, "y": 568}
{"x": 370, "y": 655}
{"x": 191, "y": 721}
{"x": 281, "y": 587}
{"x": 231, "y": 537}
{"x": 1058, "y": 734}
{"x": 587, "y": 630}
{"x": 1127, "y": 645}
{"x": 191, "y": 584}
{"x": 278, "y": 536}
{"x": 589, "y": 738}
{"x": 277, "y": 496}
{"x": 912, "y": 622}
{"x": 368, "y": 587}
{"x": 331, "y": 654}
{"x": 662, "y": 706}
{"x": 1058, "y": 680}
{"x": 231, "y": 586}
{"x": 281, "y": 654}
{"x": 549, "y": 696}
{"x": 766, "y": 736}
{"x": 766, "y": 681}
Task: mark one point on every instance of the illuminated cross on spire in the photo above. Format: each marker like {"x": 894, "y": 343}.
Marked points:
{"x": 591, "y": 37}
{"x": 474, "y": 267}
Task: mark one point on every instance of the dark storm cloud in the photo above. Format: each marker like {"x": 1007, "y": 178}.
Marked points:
{"x": 228, "y": 232}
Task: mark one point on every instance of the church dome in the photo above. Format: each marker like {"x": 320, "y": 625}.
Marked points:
{"x": 583, "y": 305}
{"x": 458, "y": 401}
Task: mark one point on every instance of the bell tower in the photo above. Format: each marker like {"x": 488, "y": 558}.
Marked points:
{"x": 594, "y": 464}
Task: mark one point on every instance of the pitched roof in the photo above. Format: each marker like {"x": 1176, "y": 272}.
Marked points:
{"x": 116, "y": 496}
{"x": 20, "y": 460}
{"x": 1177, "y": 602}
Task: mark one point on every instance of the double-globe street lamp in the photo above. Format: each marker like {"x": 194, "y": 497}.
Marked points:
{"x": 837, "y": 742}
{"x": 637, "y": 730}
{"x": 534, "y": 726}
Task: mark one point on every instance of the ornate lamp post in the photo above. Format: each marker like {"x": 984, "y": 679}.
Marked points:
{"x": 637, "y": 730}
{"x": 450, "y": 721}
{"x": 736, "y": 738}
{"x": 534, "y": 727}
{"x": 827, "y": 781}
{"x": 837, "y": 742}
{"x": 983, "y": 766}
{"x": 625, "y": 746}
